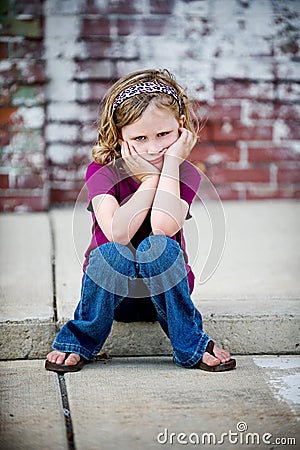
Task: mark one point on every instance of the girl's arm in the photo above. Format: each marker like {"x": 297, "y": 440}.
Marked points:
{"x": 120, "y": 223}
{"x": 169, "y": 210}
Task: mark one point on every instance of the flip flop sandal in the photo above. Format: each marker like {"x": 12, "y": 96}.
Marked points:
{"x": 63, "y": 368}
{"x": 229, "y": 365}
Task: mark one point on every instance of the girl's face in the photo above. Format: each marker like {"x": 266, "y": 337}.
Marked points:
{"x": 151, "y": 135}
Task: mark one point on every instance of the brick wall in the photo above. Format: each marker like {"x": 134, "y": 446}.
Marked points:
{"x": 239, "y": 60}
{"x": 23, "y": 172}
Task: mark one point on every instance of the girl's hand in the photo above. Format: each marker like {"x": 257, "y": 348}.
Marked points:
{"x": 183, "y": 146}
{"x": 136, "y": 165}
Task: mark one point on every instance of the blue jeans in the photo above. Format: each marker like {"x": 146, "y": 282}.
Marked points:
{"x": 114, "y": 272}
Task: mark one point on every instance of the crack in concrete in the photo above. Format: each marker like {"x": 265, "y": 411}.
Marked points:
{"x": 53, "y": 264}
{"x": 66, "y": 411}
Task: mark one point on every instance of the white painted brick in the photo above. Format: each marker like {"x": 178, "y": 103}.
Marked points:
{"x": 62, "y": 90}
{"x": 244, "y": 67}
{"x": 288, "y": 70}
{"x": 63, "y": 111}
{"x": 60, "y": 153}
{"x": 96, "y": 70}
{"x": 288, "y": 92}
{"x": 64, "y": 7}
{"x": 89, "y": 133}
{"x": 280, "y": 131}
{"x": 32, "y": 117}
{"x": 61, "y": 27}
{"x": 61, "y": 132}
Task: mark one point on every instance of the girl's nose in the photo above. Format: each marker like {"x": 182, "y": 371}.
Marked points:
{"x": 153, "y": 148}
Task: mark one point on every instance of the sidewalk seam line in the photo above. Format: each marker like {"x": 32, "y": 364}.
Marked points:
{"x": 66, "y": 411}
{"x": 53, "y": 265}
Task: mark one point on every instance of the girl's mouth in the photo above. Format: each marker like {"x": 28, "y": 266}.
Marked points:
{"x": 158, "y": 158}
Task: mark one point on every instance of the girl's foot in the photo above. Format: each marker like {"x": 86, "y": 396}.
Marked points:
{"x": 59, "y": 358}
{"x": 221, "y": 357}
{"x": 216, "y": 359}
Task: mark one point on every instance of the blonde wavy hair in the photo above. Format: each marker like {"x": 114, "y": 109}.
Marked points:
{"x": 112, "y": 121}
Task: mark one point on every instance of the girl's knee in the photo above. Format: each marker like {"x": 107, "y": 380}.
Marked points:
{"x": 158, "y": 249}
{"x": 112, "y": 256}
{"x": 158, "y": 244}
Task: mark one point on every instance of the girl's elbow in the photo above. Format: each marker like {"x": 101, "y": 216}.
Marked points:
{"x": 164, "y": 227}
{"x": 119, "y": 238}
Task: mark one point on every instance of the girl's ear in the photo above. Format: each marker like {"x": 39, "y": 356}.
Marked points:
{"x": 181, "y": 120}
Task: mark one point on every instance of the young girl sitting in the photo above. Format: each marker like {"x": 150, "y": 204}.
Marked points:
{"x": 140, "y": 189}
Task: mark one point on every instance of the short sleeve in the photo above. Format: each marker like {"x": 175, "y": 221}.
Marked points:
{"x": 189, "y": 182}
{"x": 100, "y": 180}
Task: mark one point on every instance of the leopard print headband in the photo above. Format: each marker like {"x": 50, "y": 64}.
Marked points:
{"x": 147, "y": 87}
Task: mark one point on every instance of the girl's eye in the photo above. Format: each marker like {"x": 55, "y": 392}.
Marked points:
{"x": 163, "y": 133}
{"x": 139, "y": 138}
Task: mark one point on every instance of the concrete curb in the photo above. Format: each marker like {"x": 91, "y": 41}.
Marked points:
{"x": 241, "y": 334}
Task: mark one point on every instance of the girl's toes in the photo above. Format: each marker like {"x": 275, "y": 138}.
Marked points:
{"x": 60, "y": 358}
{"x": 73, "y": 359}
{"x": 210, "y": 360}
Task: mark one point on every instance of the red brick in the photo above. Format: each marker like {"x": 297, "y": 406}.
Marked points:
{"x": 234, "y": 131}
{"x": 94, "y": 70}
{"x": 6, "y": 113}
{"x": 33, "y": 72}
{"x": 15, "y": 203}
{"x": 287, "y": 112}
{"x": 106, "y": 48}
{"x": 6, "y": 93}
{"x": 126, "y": 26}
{"x": 26, "y": 49}
{"x": 122, "y": 7}
{"x": 206, "y": 132}
{"x": 153, "y": 27}
{"x": 161, "y": 6}
{"x": 29, "y": 181}
{"x": 11, "y": 75}
{"x": 97, "y": 49}
{"x": 219, "y": 175}
{"x": 289, "y": 175}
{"x": 211, "y": 154}
{"x": 238, "y": 89}
{"x": 272, "y": 154}
{"x": 95, "y": 27}
{"x": 4, "y": 181}
{"x": 30, "y": 73}
{"x": 110, "y": 7}
{"x": 61, "y": 196}
{"x": 4, "y": 136}
{"x": 293, "y": 130}
{"x": 94, "y": 91}
{"x": 261, "y": 110}
{"x": 221, "y": 110}
{"x": 3, "y": 50}
{"x": 227, "y": 192}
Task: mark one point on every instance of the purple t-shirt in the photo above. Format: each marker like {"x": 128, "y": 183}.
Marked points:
{"x": 113, "y": 180}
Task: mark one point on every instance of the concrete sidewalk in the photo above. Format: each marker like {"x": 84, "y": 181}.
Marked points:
{"x": 250, "y": 304}
{"x": 148, "y": 403}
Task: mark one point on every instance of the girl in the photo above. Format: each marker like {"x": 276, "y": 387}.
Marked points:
{"x": 140, "y": 189}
